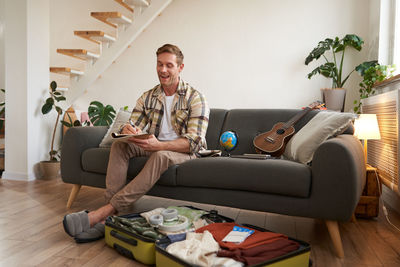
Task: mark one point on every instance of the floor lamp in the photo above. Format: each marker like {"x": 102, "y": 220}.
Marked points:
{"x": 367, "y": 128}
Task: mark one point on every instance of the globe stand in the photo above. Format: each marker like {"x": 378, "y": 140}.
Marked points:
{"x": 227, "y": 153}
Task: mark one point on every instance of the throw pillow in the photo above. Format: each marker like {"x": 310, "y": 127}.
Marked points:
{"x": 121, "y": 118}
{"x": 324, "y": 125}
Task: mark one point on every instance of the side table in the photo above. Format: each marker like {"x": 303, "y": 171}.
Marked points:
{"x": 368, "y": 206}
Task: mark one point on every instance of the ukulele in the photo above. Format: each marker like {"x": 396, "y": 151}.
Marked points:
{"x": 274, "y": 141}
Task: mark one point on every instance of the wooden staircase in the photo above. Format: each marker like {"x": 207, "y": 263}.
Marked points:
{"x": 126, "y": 27}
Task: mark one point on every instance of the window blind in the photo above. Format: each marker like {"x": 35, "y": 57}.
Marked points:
{"x": 383, "y": 153}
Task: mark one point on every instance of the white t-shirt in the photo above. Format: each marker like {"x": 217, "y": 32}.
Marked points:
{"x": 167, "y": 132}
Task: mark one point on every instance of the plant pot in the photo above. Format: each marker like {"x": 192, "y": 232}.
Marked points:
{"x": 49, "y": 169}
{"x": 334, "y": 98}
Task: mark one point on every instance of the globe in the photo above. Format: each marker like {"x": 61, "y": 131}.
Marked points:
{"x": 228, "y": 140}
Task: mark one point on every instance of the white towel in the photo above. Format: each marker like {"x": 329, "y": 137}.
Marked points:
{"x": 194, "y": 248}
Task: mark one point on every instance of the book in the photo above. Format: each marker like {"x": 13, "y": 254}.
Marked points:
{"x": 125, "y": 137}
{"x": 209, "y": 153}
{"x": 252, "y": 156}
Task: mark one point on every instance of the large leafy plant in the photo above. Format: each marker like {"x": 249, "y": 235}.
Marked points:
{"x": 371, "y": 72}
{"x": 52, "y": 104}
{"x": 101, "y": 115}
{"x": 333, "y": 66}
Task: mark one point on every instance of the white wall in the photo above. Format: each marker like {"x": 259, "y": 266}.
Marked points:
{"x": 2, "y": 65}
{"x": 26, "y": 82}
{"x": 240, "y": 54}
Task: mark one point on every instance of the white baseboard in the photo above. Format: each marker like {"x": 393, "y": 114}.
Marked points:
{"x": 391, "y": 198}
{"x": 18, "y": 176}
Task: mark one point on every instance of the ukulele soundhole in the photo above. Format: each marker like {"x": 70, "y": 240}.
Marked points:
{"x": 280, "y": 131}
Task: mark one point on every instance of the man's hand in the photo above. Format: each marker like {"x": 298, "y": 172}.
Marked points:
{"x": 149, "y": 144}
{"x": 128, "y": 129}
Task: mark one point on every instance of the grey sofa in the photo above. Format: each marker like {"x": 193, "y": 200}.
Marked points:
{"x": 328, "y": 189}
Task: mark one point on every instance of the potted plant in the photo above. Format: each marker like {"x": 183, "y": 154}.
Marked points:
{"x": 51, "y": 167}
{"x": 371, "y": 72}
{"x": 333, "y": 67}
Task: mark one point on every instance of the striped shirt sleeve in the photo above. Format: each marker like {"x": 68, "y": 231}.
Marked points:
{"x": 198, "y": 122}
{"x": 138, "y": 116}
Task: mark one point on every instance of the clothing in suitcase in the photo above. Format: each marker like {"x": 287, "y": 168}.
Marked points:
{"x": 134, "y": 238}
{"x": 297, "y": 256}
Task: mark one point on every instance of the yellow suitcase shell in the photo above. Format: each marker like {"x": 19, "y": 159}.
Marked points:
{"x": 129, "y": 244}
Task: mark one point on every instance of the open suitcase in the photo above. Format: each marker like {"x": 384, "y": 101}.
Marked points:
{"x": 152, "y": 250}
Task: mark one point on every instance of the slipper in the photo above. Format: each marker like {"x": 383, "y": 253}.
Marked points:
{"x": 75, "y": 223}
{"x": 92, "y": 234}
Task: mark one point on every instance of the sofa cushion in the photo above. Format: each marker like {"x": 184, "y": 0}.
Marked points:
{"x": 324, "y": 125}
{"x": 273, "y": 176}
{"x": 216, "y": 120}
{"x": 122, "y": 117}
{"x": 96, "y": 160}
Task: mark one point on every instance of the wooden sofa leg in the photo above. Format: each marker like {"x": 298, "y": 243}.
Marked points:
{"x": 73, "y": 194}
{"x": 333, "y": 229}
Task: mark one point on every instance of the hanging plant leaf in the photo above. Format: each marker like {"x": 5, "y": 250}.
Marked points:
{"x": 53, "y": 86}
{"x": 60, "y": 98}
{"x": 59, "y": 110}
{"x": 65, "y": 123}
{"x": 366, "y": 65}
{"x": 50, "y": 101}
{"x": 77, "y": 123}
{"x": 46, "y": 108}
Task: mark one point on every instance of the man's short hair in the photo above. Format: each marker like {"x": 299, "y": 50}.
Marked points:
{"x": 173, "y": 49}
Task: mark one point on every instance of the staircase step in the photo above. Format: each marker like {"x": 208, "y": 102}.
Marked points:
{"x": 66, "y": 71}
{"x": 130, "y": 4}
{"x": 144, "y": 3}
{"x": 62, "y": 88}
{"x": 82, "y": 54}
{"x": 111, "y": 18}
{"x": 95, "y": 36}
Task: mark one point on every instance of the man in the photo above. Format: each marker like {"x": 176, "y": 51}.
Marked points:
{"x": 176, "y": 116}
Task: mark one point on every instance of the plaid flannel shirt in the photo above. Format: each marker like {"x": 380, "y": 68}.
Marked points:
{"x": 189, "y": 115}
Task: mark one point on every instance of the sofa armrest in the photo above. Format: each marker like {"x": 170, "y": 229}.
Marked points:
{"x": 338, "y": 171}
{"x": 77, "y": 140}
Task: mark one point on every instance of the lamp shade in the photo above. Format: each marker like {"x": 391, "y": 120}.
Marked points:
{"x": 366, "y": 127}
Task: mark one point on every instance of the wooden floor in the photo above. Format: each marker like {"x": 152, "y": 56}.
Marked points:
{"x": 31, "y": 232}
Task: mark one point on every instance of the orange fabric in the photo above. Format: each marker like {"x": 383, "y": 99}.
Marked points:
{"x": 263, "y": 253}
{"x": 220, "y": 230}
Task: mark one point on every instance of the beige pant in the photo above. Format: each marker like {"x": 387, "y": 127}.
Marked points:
{"x": 121, "y": 195}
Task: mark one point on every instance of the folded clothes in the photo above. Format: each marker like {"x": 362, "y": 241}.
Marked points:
{"x": 177, "y": 237}
{"x": 261, "y": 253}
{"x": 220, "y": 230}
{"x": 200, "y": 249}
{"x": 136, "y": 225}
